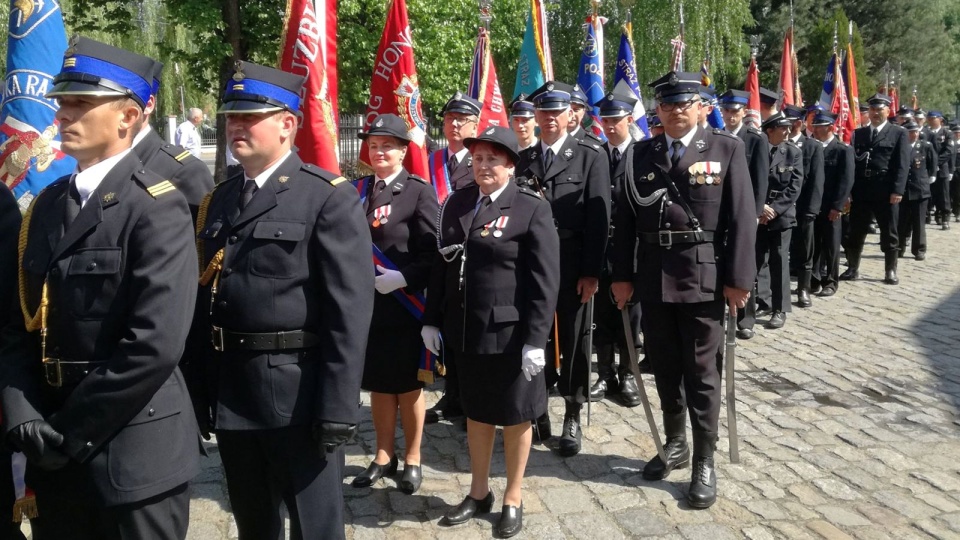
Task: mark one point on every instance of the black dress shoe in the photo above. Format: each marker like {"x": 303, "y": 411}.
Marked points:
{"x": 511, "y": 521}
{"x": 411, "y": 479}
{"x": 601, "y": 388}
{"x": 829, "y": 290}
{"x": 945, "y": 226}
{"x": 644, "y": 366}
{"x": 678, "y": 457}
{"x": 763, "y": 312}
{"x": 629, "y": 392}
{"x": 541, "y": 428}
{"x": 901, "y": 253}
{"x": 467, "y": 509}
{"x": 777, "y": 320}
{"x": 804, "y": 299}
{"x": 435, "y": 413}
{"x": 814, "y": 288}
{"x": 890, "y": 277}
{"x": 850, "y": 274}
{"x": 703, "y": 483}
{"x": 745, "y": 333}
{"x": 920, "y": 256}
{"x": 570, "y": 440}
{"x": 374, "y": 472}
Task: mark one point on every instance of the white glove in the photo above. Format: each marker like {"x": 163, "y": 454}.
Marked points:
{"x": 933, "y": 179}
{"x": 431, "y": 338}
{"x": 532, "y": 361}
{"x": 388, "y": 280}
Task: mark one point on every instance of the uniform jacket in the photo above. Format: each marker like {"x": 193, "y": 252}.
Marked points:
{"x": 758, "y": 162}
{"x": 923, "y": 167}
{"x": 943, "y": 145}
{"x": 510, "y": 280}
{"x": 9, "y": 233}
{"x": 838, "y": 166}
{"x": 886, "y": 160}
{"x": 463, "y": 175}
{"x": 783, "y": 187}
{"x": 811, "y": 192}
{"x": 687, "y": 273}
{"x": 189, "y": 174}
{"x": 408, "y": 237}
{"x": 617, "y": 172}
{"x": 122, "y": 285}
{"x": 577, "y": 186}
{"x": 584, "y": 135}
{"x": 298, "y": 257}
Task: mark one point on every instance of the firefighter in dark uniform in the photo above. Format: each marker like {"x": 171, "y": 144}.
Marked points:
{"x": 616, "y": 113}
{"x": 808, "y": 203}
{"x": 286, "y": 297}
{"x": 779, "y": 214}
{"x": 189, "y": 174}
{"x": 955, "y": 181}
{"x": 883, "y": 160}
{"x": 522, "y": 122}
{"x": 574, "y": 177}
{"x": 913, "y": 207}
{"x": 943, "y": 144}
{"x": 685, "y": 237}
{"x": 732, "y": 107}
{"x": 838, "y": 181}
{"x": 578, "y": 109}
{"x": 91, "y": 392}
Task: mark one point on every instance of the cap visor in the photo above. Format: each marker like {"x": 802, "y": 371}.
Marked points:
{"x": 244, "y": 107}
{"x": 76, "y": 88}
{"x": 678, "y": 98}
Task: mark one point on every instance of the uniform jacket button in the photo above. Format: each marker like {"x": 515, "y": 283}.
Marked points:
{"x": 55, "y": 272}
{"x": 91, "y": 266}
{"x": 151, "y": 412}
{"x": 278, "y": 234}
{"x": 222, "y": 303}
{"x": 227, "y": 271}
{"x": 232, "y": 239}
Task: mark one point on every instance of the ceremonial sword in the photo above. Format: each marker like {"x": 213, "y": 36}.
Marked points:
{"x": 730, "y": 355}
{"x": 589, "y": 330}
{"x": 635, "y": 369}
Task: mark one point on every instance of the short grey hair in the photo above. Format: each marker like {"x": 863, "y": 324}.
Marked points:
{"x": 194, "y": 112}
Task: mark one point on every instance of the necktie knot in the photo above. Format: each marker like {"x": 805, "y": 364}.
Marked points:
{"x": 616, "y": 155}
{"x": 249, "y": 188}
{"x": 547, "y": 159}
{"x": 677, "y": 147}
{"x": 379, "y": 187}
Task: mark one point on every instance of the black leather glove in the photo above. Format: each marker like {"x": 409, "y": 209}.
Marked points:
{"x": 39, "y": 442}
{"x": 331, "y": 435}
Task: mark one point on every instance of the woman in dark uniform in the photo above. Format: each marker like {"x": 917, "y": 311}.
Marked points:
{"x": 401, "y": 211}
{"x": 493, "y": 292}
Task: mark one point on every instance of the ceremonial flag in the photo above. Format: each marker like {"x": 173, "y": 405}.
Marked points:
{"x": 484, "y": 86}
{"x": 895, "y": 101}
{"x": 826, "y": 93}
{"x": 840, "y": 106}
{"x": 626, "y": 82}
{"x": 590, "y": 74}
{"x": 789, "y": 76}
{"x": 395, "y": 88}
{"x": 535, "y": 66}
{"x": 850, "y": 80}
{"x": 309, "y": 48}
{"x": 752, "y": 115}
{"x": 678, "y": 46}
{"x": 914, "y": 102}
{"x": 715, "y": 119}
{"x": 30, "y": 156}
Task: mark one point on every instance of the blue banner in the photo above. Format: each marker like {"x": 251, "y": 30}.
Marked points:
{"x": 590, "y": 77}
{"x": 530, "y": 74}
{"x": 715, "y": 119}
{"x": 625, "y": 79}
{"x": 826, "y": 95}
{"x": 30, "y": 156}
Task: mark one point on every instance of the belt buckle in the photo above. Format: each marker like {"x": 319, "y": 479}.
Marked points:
{"x": 280, "y": 340}
{"x": 216, "y": 336}
{"x": 665, "y": 238}
{"x": 52, "y": 372}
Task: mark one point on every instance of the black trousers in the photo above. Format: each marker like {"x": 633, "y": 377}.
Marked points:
{"x": 955, "y": 193}
{"x": 573, "y": 380}
{"x": 747, "y": 317}
{"x": 826, "y": 251}
{"x": 861, "y": 213}
{"x": 801, "y": 258}
{"x": 684, "y": 344}
{"x": 67, "y": 508}
{"x": 608, "y": 323}
{"x": 773, "y": 248}
{"x": 265, "y": 467}
{"x": 451, "y": 386}
{"x": 940, "y": 197}
{"x": 912, "y": 219}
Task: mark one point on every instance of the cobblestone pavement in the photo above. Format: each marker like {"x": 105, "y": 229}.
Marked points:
{"x": 848, "y": 420}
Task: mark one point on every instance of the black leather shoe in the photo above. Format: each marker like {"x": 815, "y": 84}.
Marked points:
{"x": 644, "y": 366}
{"x": 763, "y": 312}
{"x": 703, "y": 483}
{"x": 890, "y": 277}
{"x": 945, "y": 226}
{"x": 902, "y": 253}
{"x": 920, "y": 256}
{"x": 629, "y": 392}
{"x": 745, "y": 333}
{"x": 678, "y": 457}
{"x": 777, "y": 320}
{"x": 511, "y": 521}
{"x": 601, "y": 388}
{"x": 435, "y": 413}
{"x": 570, "y": 440}
{"x": 411, "y": 479}
{"x": 804, "y": 299}
{"x": 850, "y": 274}
{"x": 467, "y": 509}
{"x": 541, "y": 428}
{"x": 829, "y": 290}
{"x": 374, "y": 472}
{"x": 815, "y": 288}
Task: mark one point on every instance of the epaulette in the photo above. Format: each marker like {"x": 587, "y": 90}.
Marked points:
{"x": 528, "y": 191}
{"x": 153, "y": 184}
{"x": 176, "y": 152}
{"x": 724, "y": 133}
{"x": 792, "y": 143}
{"x": 589, "y": 144}
{"x": 417, "y": 178}
{"x": 753, "y": 129}
{"x": 331, "y": 178}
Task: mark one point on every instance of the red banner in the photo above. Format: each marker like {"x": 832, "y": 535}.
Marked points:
{"x": 845, "y": 122}
{"x": 753, "y": 86}
{"x": 853, "y": 91}
{"x": 484, "y": 86}
{"x": 395, "y": 89}
{"x": 789, "y": 79}
{"x": 309, "y": 48}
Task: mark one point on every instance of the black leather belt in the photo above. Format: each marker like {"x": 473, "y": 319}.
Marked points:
{"x": 59, "y": 373}
{"x": 225, "y": 340}
{"x": 874, "y": 172}
{"x": 567, "y": 234}
{"x": 668, "y": 238}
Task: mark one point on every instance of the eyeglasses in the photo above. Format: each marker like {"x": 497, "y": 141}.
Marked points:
{"x": 460, "y": 121}
{"x": 683, "y": 106}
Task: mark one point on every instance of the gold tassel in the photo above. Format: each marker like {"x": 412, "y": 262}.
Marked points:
{"x": 425, "y": 376}
{"x": 201, "y": 223}
{"x": 441, "y": 369}
{"x": 212, "y": 268}
{"x": 25, "y": 507}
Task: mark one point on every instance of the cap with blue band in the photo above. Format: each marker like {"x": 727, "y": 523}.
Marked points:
{"x": 98, "y": 69}
{"x": 259, "y": 89}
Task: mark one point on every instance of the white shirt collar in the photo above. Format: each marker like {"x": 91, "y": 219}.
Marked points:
{"x": 828, "y": 141}
{"x": 686, "y": 139}
{"x": 574, "y": 132}
{"x": 622, "y": 147}
{"x": 493, "y": 196}
{"x": 737, "y": 129}
{"x": 531, "y": 145}
{"x": 555, "y": 146}
{"x": 879, "y": 128}
{"x": 142, "y": 135}
{"x": 797, "y": 138}
{"x": 390, "y": 178}
{"x": 262, "y": 178}
{"x": 90, "y": 178}
{"x": 461, "y": 155}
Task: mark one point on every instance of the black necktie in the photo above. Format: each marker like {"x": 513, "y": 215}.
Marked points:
{"x": 873, "y": 135}
{"x": 616, "y": 157}
{"x": 72, "y": 207}
{"x": 452, "y": 164}
{"x": 773, "y": 152}
{"x": 677, "y": 147}
{"x": 484, "y": 202}
{"x": 379, "y": 187}
{"x": 249, "y": 188}
{"x": 547, "y": 160}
